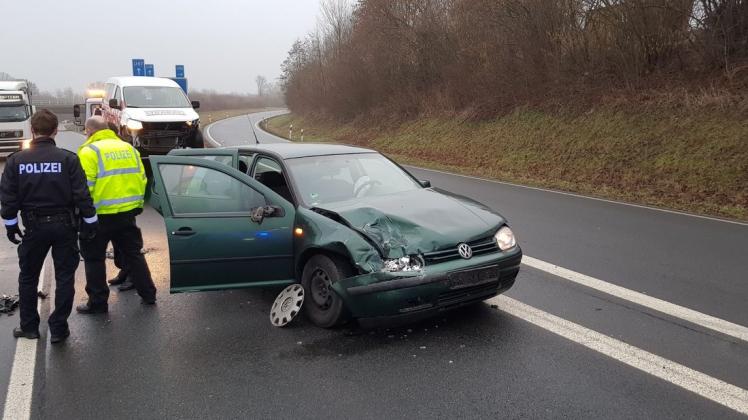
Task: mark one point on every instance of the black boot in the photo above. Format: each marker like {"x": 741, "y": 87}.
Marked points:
{"x": 86, "y": 308}
{"x": 119, "y": 279}
{"x": 127, "y": 285}
{"x": 31, "y": 335}
{"x": 59, "y": 338}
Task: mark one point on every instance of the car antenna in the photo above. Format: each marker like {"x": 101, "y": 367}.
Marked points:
{"x": 252, "y": 127}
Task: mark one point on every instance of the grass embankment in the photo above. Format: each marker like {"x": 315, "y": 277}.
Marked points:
{"x": 208, "y": 117}
{"x": 685, "y": 159}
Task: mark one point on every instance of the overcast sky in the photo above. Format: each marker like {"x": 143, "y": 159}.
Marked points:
{"x": 223, "y": 44}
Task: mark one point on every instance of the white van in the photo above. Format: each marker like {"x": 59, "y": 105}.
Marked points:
{"x": 153, "y": 113}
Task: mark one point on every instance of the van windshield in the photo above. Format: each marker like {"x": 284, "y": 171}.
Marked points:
{"x": 13, "y": 113}
{"x": 155, "y": 97}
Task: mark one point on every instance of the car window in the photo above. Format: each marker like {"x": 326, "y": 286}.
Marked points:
{"x": 245, "y": 161}
{"x": 269, "y": 172}
{"x": 223, "y": 159}
{"x": 196, "y": 190}
{"x": 117, "y": 94}
{"x": 109, "y": 91}
{"x": 95, "y": 109}
{"x": 327, "y": 179}
{"x": 266, "y": 165}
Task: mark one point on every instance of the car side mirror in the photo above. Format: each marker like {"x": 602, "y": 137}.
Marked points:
{"x": 260, "y": 213}
{"x": 425, "y": 183}
{"x": 195, "y": 104}
{"x": 277, "y": 211}
{"x": 114, "y": 104}
{"x": 77, "y": 115}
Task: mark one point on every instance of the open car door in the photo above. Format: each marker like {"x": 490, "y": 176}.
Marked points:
{"x": 225, "y": 230}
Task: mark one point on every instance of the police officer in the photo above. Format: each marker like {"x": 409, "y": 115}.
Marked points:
{"x": 116, "y": 178}
{"x": 46, "y": 184}
{"x": 122, "y": 279}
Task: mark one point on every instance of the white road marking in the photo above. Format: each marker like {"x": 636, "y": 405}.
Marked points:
{"x": 210, "y": 138}
{"x": 706, "y": 386}
{"x": 21, "y": 386}
{"x": 707, "y": 321}
{"x": 640, "y": 206}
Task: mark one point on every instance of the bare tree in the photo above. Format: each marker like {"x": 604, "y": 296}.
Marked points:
{"x": 408, "y": 57}
{"x": 262, "y": 85}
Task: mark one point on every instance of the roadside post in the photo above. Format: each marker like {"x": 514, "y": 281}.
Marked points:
{"x": 290, "y": 132}
{"x": 302, "y": 134}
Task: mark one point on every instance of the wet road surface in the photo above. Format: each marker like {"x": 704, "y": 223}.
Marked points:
{"x": 215, "y": 354}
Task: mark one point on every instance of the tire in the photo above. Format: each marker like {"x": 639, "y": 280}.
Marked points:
{"x": 196, "y": 141}
{"x": 323, "y": 306}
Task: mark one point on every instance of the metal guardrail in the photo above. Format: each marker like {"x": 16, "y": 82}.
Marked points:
{"x": 53, "y": 102}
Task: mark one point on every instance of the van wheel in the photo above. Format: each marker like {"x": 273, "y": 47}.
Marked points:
{"x": 323, "y": 306}
{"x": 196, "y": 141}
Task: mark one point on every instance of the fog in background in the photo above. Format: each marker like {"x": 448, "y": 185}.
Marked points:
{"x": 223, "y": 44}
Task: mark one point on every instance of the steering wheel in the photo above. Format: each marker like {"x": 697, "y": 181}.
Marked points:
{"x": 363, "y": 185}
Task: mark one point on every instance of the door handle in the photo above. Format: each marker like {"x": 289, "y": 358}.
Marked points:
{"x": 184, "y": 231}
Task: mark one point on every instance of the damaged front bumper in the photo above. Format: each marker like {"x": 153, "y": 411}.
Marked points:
{"x": 387, "y": 298}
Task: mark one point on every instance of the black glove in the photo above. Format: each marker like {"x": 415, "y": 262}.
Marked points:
{"x": 88, "y": 231}
{"x": 14, "y": 230}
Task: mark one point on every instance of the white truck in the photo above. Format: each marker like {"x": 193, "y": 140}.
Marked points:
{"x": 93, "y": 106}
{"x": 15, "y": 115}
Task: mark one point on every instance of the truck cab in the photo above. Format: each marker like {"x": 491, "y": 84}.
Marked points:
{"x": 153, "y": 114}
{"x": 82, "y": 112}
{"x": 15, "y": 115}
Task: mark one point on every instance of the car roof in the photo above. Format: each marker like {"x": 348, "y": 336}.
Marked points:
{"x": 299, "y": 150}
{"x": 142, "y": 81}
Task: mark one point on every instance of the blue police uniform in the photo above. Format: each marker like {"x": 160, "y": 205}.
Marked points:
{"x": 48, "y": 187}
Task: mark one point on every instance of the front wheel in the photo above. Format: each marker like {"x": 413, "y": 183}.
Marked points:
{"x": 323, "y": 306}
{"x": 196, "y": 140}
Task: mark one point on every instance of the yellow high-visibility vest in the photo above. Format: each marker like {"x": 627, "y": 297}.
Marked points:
{"x": 114, "y": 171}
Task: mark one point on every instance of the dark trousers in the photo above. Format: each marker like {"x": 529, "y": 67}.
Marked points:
{"x": 127, "y": 239}
{"x": 61, "y": 237}
{"x": 119, "y": 262}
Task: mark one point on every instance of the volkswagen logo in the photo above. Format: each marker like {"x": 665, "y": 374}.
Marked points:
{"x": 465, "y": 251}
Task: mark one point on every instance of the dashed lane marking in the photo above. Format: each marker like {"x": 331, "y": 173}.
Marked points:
{"x": 707, "y": 321}
{"x": 721, "y": 392}
{"x": 21, "y": 386}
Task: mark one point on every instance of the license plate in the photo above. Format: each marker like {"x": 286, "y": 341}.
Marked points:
{"x": 468, "y": 278}
{"x": 163, "y": 142}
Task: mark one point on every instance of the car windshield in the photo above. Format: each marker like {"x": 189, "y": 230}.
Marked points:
{"x": 155, "y": 97}
{"x": 13, "y": 113}
{"x": 327, "y": 179}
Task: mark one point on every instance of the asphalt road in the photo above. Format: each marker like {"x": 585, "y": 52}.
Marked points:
{"x": 215, "y": 355}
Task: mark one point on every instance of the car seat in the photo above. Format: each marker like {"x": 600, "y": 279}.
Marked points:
{"x": 276, "y": 182}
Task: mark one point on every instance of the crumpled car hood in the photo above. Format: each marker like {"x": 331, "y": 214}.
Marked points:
{"x": 416, "y": 222}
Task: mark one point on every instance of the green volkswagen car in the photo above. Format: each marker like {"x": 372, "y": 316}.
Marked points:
{"x": 365, "y": 239}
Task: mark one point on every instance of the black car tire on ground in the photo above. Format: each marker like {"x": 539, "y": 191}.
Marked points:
{"x": 322, "y": 305}
{"x": 196, "y": 141}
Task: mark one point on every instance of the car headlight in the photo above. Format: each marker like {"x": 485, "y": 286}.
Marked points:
{"x": 193, "y": 122}
{"x": 403, "y": 264}
{"x": 25, "y": 144}
{"x": 505, "y": 238}
{"x": 134, "y": 125}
